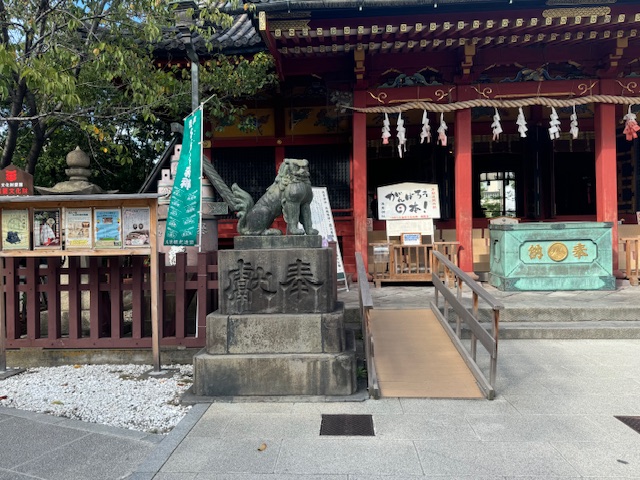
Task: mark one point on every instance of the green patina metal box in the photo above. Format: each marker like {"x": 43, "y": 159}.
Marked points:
{"x": 552, "y": 256}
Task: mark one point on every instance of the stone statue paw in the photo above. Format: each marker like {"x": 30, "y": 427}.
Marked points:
{"x": 291, "y": 230}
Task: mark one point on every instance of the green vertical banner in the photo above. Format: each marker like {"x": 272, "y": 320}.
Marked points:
{"x": 183, "y": 218}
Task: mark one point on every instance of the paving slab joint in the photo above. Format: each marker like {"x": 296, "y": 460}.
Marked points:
{"x": 159, "y": 456}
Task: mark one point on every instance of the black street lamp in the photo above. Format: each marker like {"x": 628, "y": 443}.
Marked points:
{"x": 184, "y": 23}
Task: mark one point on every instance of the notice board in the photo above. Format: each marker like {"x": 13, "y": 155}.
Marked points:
{"x": 322, "y": 219}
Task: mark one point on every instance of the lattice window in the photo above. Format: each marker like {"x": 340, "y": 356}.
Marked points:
{"x": 253, "y": 169}
{"x": 329, "y": 166}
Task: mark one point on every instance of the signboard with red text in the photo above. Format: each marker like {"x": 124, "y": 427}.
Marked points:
{"x": 15, "y": 182}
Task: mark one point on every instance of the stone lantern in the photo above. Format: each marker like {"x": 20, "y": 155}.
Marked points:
{"x": 78, "y": 173}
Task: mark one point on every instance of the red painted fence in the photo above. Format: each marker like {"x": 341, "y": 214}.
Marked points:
{"x": 116, "y": 292}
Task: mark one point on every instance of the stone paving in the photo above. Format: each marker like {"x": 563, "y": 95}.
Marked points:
{"x": 553, "y": 417}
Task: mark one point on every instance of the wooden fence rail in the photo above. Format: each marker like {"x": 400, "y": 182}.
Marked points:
{"x": 44, "y": 301}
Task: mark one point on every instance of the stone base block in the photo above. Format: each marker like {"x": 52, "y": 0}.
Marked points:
{"x": 274, "y": 374}
{"x": 285, "y": 333}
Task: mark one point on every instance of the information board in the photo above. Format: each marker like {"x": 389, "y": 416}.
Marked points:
{"x": 78, "y": 227}
{"x": 395, "y": 228}
{"x": 107, "y": 225}
{"x": 322, "y": 219}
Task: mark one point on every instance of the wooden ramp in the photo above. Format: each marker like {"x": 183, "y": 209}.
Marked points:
{"x": 414, "y": 357}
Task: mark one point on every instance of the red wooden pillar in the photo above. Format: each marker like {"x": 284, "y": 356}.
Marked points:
{"x": 359, "y": 175}
{"x": 606, "y": 183}
{"x": 463, "y": 186}
{"x": 279, "y": 154}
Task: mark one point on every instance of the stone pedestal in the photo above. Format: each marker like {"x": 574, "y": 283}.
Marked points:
{"x": 279, "y": 329}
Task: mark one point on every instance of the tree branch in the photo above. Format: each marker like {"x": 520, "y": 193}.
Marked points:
{"x": 4, "y": 22}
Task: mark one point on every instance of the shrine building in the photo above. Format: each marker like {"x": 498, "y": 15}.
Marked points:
{"x": 516, "y": 108}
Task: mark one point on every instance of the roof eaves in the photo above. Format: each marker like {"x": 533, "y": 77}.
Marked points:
{"x": 293, "y": 5}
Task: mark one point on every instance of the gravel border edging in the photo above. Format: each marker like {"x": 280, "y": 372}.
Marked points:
{"x": 74, "y": 424}
{"x": 158, "y": 457}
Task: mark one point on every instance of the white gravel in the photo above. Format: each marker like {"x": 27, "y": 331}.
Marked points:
{"x": 118, "y": 395}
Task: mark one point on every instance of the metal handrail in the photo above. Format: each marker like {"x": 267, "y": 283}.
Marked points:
{"x": 488, "y": 341}
{"x": 366, "y": 306}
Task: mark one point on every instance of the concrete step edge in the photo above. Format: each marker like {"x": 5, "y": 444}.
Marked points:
{"x": 567, "y": 330}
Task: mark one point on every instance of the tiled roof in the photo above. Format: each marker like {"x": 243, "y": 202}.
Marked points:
{"x": 241, "y": 37}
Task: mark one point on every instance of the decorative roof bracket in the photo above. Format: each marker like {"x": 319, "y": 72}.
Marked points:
{"x": 268, "y": 39}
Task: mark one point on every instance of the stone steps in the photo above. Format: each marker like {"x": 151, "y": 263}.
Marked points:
{"x": 544, "y": 314}
{"x": 571, "y": 330}
{"x": 563, "y": 322}
{"x": 555, "y": 323}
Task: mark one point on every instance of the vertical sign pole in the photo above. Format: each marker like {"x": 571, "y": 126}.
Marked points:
{"x": 200, "y": 223}
{"x": 3, "y": 332}
{"x": 154, "y": 285}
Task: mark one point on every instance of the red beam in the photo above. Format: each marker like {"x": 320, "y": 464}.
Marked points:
{"x": 316, "y": 65}
{"x": 284, "y": 141}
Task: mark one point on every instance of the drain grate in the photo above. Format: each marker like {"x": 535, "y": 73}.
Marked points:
{"x": 633, "y": 422}
{"x": 361, "y": 425}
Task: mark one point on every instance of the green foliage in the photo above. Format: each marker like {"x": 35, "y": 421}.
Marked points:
{"x": 491, "y": 206}
{"x": 84, "y": 71}
{"x": 123, "y": 169}
{"x": 229, "y": 79}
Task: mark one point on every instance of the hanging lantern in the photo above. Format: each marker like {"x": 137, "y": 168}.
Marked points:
{"x": 402, "y": 139}
{"x": 522, "y": 123}
{"x": 442, "y": 129}
{"x": 554, "y": 125}
{"x": 631, "y": 125}
{"x": 497, "y": 128}
{"x": 574, "y": 124}
{"x": 386, "y": 130}
{"x": 426, "y": 128}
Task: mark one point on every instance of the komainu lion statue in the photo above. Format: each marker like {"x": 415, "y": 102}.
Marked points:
{"x": 290, "y": 195}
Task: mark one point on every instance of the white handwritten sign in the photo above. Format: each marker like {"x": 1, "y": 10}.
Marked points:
{"x": 395, "y": 228}
{"x": 408, "y": 200}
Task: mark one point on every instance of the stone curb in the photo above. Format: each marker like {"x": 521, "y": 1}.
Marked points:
{"x": 158, "y": 457}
